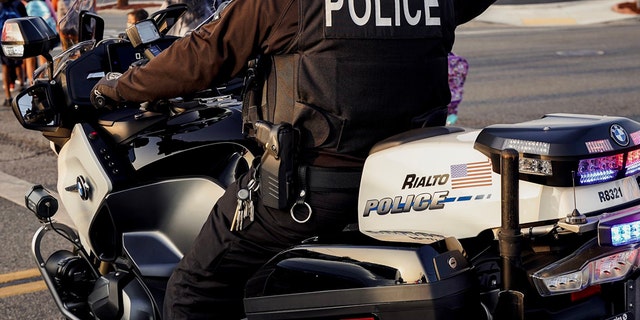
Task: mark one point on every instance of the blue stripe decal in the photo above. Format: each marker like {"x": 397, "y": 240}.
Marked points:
{"x": 466, "y": 198}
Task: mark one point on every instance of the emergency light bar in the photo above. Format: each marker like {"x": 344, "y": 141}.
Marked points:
{"x": 633, "y": 162}
{"x": 564, "y": 150}
{"x": 602, "y": 169}
{"x": 620, "y": 228}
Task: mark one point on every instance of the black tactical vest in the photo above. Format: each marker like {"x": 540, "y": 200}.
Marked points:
{"x": 363, "y": 70}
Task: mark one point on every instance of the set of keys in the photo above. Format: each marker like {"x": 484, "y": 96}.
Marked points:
{"x": 245, "y": 209}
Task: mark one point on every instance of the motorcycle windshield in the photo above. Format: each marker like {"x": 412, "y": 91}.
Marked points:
{"x": 62, "y": 60}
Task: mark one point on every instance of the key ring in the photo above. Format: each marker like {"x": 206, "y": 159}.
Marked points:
{"x": 253, "y": 185}
{"x": 293, "y": 216}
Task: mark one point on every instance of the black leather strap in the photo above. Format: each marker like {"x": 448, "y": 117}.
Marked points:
{"x": 320, "y": 179}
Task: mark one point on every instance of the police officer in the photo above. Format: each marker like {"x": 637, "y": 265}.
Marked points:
{"x": 344, "y": 73}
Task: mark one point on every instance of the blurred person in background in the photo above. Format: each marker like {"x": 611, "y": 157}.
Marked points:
{"x": 136, "y": 15}
{"x": 39, "y": 8}
{"x": 60, "y": 7}
{"x": 68, "y": 12}
{"x": 458, "y": 69}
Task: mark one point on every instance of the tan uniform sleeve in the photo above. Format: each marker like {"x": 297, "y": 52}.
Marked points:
{"x": 215, "y": 53}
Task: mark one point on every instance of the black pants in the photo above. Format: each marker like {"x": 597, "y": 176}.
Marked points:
{"x": 209, "y": 281}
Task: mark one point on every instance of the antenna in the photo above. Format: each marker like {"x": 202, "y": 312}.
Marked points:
{"x": 575, "y": 217}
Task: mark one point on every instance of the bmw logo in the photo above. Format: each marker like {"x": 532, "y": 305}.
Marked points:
{"x": 82, "y": 188}
{"x": 619, "y": 135}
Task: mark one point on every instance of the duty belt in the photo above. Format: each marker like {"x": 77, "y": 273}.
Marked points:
{"x": 322, "y": 179}
{"x": 330, "y": 179}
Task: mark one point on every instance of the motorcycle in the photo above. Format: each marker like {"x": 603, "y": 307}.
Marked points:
{"x": 536, "y": 220}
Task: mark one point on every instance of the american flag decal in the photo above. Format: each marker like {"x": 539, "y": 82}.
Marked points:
{"x": 472, "y": 174}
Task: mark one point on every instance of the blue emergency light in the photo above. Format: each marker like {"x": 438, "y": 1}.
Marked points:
{"x": 620, "y": 228}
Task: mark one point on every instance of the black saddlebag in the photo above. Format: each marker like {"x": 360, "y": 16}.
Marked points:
{"x": 364, "y": 282}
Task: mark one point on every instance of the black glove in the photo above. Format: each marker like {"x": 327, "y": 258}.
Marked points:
{"x": 104, "y": 94}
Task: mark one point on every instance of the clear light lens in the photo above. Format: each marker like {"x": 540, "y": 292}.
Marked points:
{"x": 11, "y": 33}
{"x": 601, "y": 169}
{"x": 13, "y": 50}
{"x": 527, "y": 146}
{"x": 571, "y": 282}
{"x": 535, "y": 166}
{"x": 598, "y": 271}
{"x": 613, "y": 267}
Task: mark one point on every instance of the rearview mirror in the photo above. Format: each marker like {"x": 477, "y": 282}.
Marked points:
{"x": 27, "y": 37}
{"x": 34, "y": 109}
{"x": 91, "y": 26}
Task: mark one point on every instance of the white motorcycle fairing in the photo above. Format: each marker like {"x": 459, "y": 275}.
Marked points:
{"x": 424, "y": 190}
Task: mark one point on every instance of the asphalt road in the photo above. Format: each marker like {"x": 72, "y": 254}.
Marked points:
{"x": 516, "y": 74}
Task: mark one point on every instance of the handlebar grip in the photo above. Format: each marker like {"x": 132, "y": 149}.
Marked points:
{"x": 100, "y": 101}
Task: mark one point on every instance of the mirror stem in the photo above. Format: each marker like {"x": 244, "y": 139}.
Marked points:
{"x": 49, "y": 63}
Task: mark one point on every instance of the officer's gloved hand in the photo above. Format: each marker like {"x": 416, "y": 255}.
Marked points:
{"x": 104, "y": 94}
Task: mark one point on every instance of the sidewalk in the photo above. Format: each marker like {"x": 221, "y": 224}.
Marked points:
{"x": 581, "y": 12}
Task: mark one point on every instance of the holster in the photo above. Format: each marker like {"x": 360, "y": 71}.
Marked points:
{"x": 277, "y": 172}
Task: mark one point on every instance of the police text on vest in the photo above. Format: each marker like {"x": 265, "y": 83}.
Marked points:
{"x": 401, "y": 12}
